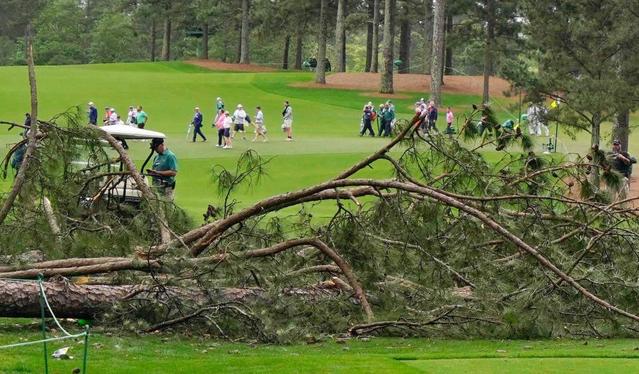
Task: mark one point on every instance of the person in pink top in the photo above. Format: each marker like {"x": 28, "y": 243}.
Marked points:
{"x": 450, "y": 117}
{"x": 219, "y": 125}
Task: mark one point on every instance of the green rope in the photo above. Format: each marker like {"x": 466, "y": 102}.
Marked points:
{"x": 44, "y": 302}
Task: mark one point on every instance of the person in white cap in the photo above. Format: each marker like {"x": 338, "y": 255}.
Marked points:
{"x": 197, "y": 123}
{"x": 113, "y": 117}
{"x": 287, "y": 117}
{"x": 239, "y": 116}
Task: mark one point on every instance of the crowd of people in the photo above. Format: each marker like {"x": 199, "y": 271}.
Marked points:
{"x": 229, "y": 125}
{"x": 136, "y": 116}
{"x": 385, "y": 118}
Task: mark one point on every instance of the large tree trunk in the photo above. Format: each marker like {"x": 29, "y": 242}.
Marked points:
{"x": 488, "y": 51}
{"x": 438, "y": 50}
{"x": 153, "y": 38}
{"x": 238, "y": 52}
{"x": 244, "y": 38}
{"x": 369, "y": 36}
{"x": 386, "y": 84}
{"x": 299, "y": 44}
{"x": 404, "y": 45}
{"x": 621, "y": 129}
{"x": 448, "y": 62}
{"x": 320, "y": 73}
{"x": 287, "y": 45}
{"x": 205, "y": 41}
{"x": 166, "y": 40}
{"x": 340, "y": 41}
{"x": 428, "y": 35}
{"x": 68, "y": 300}
{"x": 375, "y": 51}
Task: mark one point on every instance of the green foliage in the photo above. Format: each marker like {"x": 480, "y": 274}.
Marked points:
{"x": 114, "y": 40}
{"x": 60, "y": 37}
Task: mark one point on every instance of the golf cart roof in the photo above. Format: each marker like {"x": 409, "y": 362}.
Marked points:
{"x": 131, "y": 132}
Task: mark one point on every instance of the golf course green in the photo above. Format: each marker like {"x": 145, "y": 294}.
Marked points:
{"x": 326, "y": 121}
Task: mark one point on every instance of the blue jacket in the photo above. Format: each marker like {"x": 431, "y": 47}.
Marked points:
{"x": 197, "y": 119}
{"x": 93, "y": 116}
{"x": 432, "y": 115}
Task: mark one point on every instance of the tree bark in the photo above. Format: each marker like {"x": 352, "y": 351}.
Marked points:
{"x": 205, "y": 41}
{"x": 386, "y": 84}
{"x": 438, "y": 50}
{"x": 153, "y": 38}
{"x": 404, "y": 44}
{"x": 299, "y": 45}
{"x": 340, "y": 41}
{"x": 287, "y": 45}
{"x": 621, "y": 130}
{"x": 68, "y": 300}
{"x": 166, "y": 40}
{"x": 428, "y": 35}
{"x": 21, "y": 177}
{"x": 369, "y": 36}
{"x": 375, "y": 51}
{"x": 244, "y": 38}
{"x": 448, "y": 63}
{"x": 320, "y": 73}
{"x": 488, "y": 51}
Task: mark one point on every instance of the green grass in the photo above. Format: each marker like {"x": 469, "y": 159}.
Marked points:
{"x": 176, "y": 354}
{"x": 325, "y": 128}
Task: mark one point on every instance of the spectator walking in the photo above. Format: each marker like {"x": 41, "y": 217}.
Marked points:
{"x": 219, "y": 106}
{"x": 287, "y": 117}
{"x": 93, "y": 114}
{"x": 379, "y": 115}
{"x": 239, "y": 116}
{"x": 450, "y": 117}
{"x": 142, "y": 118}
{"x": 432, "y": 117}
{"x": 260, "y": 129}
{"x": 164, "y": 170}
{"x": 367, "y": 117}
{"x": 107, "y": 115}
{"x": 113, "y": 117}
{"x": 131, "y": 118}
{"x": 228, "y": 122}
{"x": 219, "y": 125}
{"x": 388, "y": 116}
{"x": 197, "y": 125}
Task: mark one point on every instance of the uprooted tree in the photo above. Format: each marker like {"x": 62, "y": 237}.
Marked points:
{"x": 448, "y": 243}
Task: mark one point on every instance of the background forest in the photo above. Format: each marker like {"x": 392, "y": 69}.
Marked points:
{"x": 280, "y": 33}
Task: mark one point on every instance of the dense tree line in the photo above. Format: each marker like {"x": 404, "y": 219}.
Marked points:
{"x": 261, "y": 31}
{"x": 550, "y": 50}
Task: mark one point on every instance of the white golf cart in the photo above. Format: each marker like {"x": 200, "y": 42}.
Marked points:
{"x": 118, "y": 189}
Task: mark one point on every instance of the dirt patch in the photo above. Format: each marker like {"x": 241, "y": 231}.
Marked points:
{"x": 459, "y": 84}
{"x": 219, "y": 65}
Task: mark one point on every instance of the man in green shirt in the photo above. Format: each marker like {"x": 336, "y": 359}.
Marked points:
{"x": 141, "y": 118}
{"x": 164, "y": 169}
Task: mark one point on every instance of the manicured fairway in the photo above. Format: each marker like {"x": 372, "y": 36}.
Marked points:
{"x": 174, "y": 354}
{"x": 325, "y": 128}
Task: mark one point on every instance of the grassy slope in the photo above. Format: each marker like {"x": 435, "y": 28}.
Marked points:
{"x": 179, "y": 355}
{"x": 326, "y": 121}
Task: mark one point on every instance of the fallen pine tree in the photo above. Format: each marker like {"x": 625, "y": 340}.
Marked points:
{"x": 505, "y": 248}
